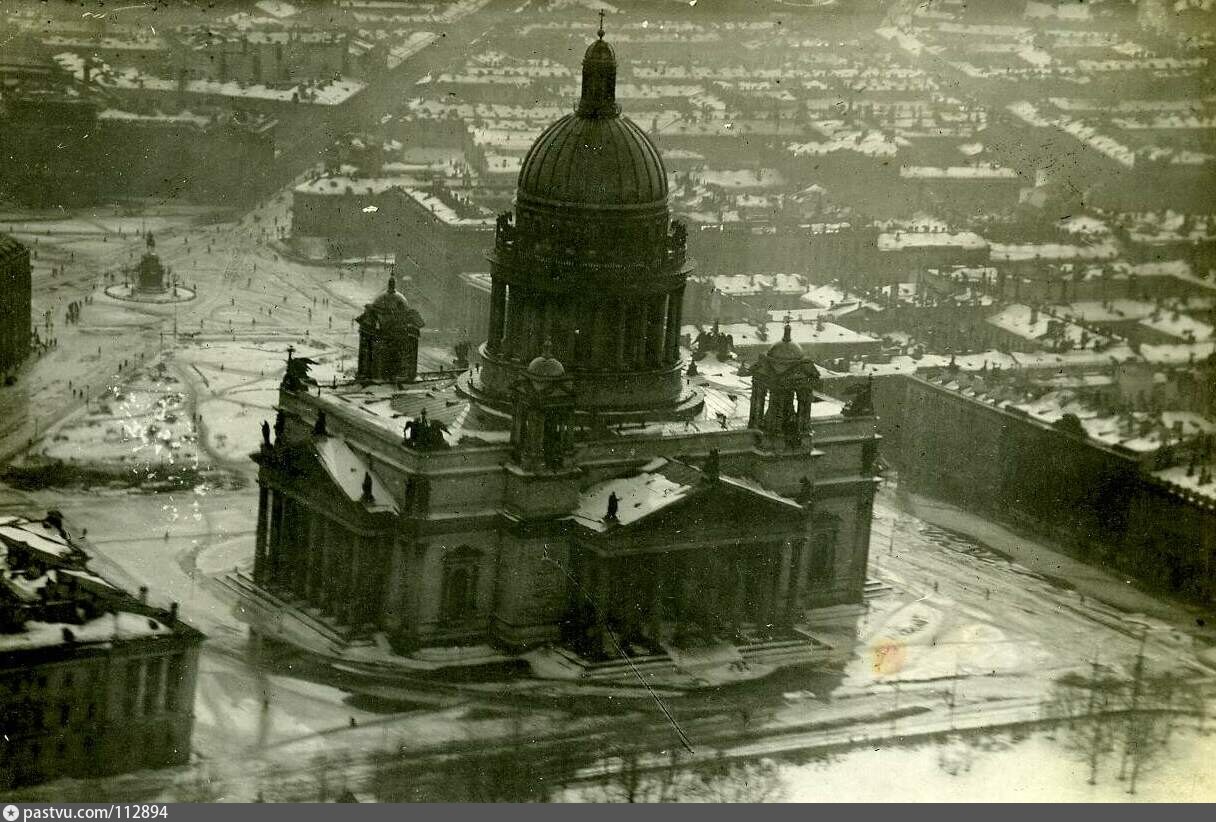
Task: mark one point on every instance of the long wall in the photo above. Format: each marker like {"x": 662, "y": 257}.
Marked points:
{"x": 1097, "y": 501}
{"x": 15, "y": 290}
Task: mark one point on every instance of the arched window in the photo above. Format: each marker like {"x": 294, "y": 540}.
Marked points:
{"x": 458, "y": 594}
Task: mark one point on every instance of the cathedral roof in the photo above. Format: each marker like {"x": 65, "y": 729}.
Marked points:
{"x": 658, "y": 486}
{"x": 594, "y": 157}
{"x": 347, "y": 469}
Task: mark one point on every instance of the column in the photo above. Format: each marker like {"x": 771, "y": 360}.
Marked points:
{"x": 600, "y": 597}
{"x": 783, "y": 583}
{"x": 259, "y": 549}
{"x": 498, "y": 307}
{"x": 297, "y": 533}
{"x": 620, "y": 328}
{"x": 736, "y": 617}
{"x": 162, "y": 701}
{"x": 276, "y": 536}
{"x": 599, "y": 337}
{"x": 351, "y": 571}
{"x": 140, "y": 684}
{"x": 674, "y": 311}
{"x": 635, "y": 334}
{"x": 310, "y": 557}
{"x": 801, "y": 580}
{"x": 657, "y": 330}
{"x": 514, "y": 323}
{"x": 529, "y": 345}
{"x": 656, "y": 622}
{"x": 327, "y": 567}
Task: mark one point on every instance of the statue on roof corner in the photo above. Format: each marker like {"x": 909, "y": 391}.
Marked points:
{"x": 862, "y": 402}
{"x": 296, "y": 377}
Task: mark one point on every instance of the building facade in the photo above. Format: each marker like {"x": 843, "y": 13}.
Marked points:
{"x": 1113, "y": 506}
{"x": 15, "y": 293}
{"x": 93, "y": 680}
{"x": 578, "y": 488}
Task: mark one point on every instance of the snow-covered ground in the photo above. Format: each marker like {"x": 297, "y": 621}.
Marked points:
{"x": 999, "y": 768}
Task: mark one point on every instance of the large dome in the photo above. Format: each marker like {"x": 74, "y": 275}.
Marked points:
{"x": 601, "y": 161}
{"x": 591, "y": 267}
{"x": 594, "y": 157}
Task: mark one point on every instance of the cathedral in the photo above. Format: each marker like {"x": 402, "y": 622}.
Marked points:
{"x": 582, "y": 485}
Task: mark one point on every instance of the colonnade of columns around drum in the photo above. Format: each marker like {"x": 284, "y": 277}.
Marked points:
{"x": 304, "y": 554}
{"x": 767, "y": 583}
{"x": 634, "y": 332}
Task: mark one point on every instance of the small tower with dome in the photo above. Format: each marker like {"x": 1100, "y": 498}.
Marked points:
{"x": 783, "y": 388}
{"x": 542, "y": 429}
{"x": 389, "y": 328}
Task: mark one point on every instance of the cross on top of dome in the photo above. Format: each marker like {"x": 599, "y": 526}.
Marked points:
{"x": 598, "y": 98}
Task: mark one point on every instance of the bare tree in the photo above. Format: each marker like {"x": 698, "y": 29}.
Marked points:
{"x": 1081, "y": 704}
{"x": 727, "y": 780}
{"x": 631, "y": 780}
{"x": 199, "y": 786}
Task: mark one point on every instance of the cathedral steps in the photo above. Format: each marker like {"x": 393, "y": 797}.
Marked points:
{"x": 782, "y": 652}
{"x": 619, "y": 670}
{"x": 267, "y": 607}
{"x": 876, "y": 588}
{"x": 663, "y": 670}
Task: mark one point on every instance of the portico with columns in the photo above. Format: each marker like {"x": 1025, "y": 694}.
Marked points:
{"x": 681, "y": 555}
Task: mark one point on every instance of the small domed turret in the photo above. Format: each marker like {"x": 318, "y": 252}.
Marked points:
{"x": 787, "y": 350}
{"x": 546, "y": 365}
{"x": 389, "y": 328}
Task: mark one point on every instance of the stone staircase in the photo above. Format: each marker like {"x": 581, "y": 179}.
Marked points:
{"x": 271, "y": 612}
{"x": 876, "y": 588}
{"x": 779, "y": 652}
{"x": 651, "y": 666}
{"x": 662, "y": 669}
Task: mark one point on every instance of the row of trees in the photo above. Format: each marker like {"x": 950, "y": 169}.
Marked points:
{"x": 1122, "y": 723}
{"x": 521, "y": 768}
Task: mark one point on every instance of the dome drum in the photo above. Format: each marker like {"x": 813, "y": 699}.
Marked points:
{"x": 588, "y": 251}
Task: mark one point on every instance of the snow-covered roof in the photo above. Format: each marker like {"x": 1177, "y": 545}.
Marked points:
{"x": 1177, "y": 479}
{"x": 742, "y": 284}
{"x": 1031, "y": 324}
{"x": 746, "y": 335}
{"x": 638, "y": 495}
{"x": 347, "y": 469}
{"x": 38, "y": 536}
{"x": 105, "y": 628}
{"x": 1181, "y": 326}
{"x": 900, "y": 240}
{"x": 659, "y": 484}
{"x": 981, "y": 171}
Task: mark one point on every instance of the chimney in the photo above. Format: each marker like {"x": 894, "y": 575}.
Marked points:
{"x": 173, "y": 612}
{"x": 143, "y": 594}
